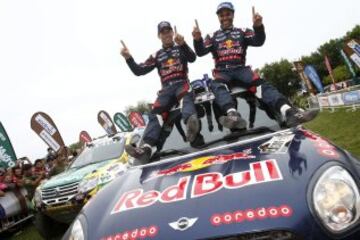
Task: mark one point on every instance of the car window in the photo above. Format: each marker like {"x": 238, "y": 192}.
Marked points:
{"x": 262, "y": 119}
{"x": 99, "y": 152}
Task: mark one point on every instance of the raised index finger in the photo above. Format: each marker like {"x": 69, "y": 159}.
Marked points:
{"x": 123, "y": 44}
{"x": 196, "y": 23}
{"x": 253, "y": 11}
{"x": 175, "y": 30}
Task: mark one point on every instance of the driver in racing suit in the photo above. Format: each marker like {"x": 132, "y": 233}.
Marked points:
{"x": 171, "y": 62}
{"x": 228, "y": 46}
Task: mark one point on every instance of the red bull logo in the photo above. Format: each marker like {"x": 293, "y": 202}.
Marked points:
{"x": 201, "y": 185}
{"x": 228, "y": 44}
{"x": 171, "y": 62}
{"x": 202, "y": 162}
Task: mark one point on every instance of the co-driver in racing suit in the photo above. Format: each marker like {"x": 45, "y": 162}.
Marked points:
{"x": 228, "y": 46}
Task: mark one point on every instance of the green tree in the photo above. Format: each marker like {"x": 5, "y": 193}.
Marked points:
{"x": 141, "y": 106}
{"x": 340, "y": 74}
{"x": 354, "y": 33}
{"x": 280, "y": 74}
{"x": 75, "y": 146}
{"x": 332, "y": 50}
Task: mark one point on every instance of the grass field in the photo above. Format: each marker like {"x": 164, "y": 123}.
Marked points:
{"x": 341, "y": 127}
{"x": 29, "y": 232}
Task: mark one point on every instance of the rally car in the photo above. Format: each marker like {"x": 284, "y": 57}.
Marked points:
{"x": 262, "y": 183}
{"x": 59, "y": 199}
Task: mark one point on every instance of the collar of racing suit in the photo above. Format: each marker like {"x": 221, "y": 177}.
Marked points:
{"x": 227, "y": 29}
{"x": 167, "y": 48}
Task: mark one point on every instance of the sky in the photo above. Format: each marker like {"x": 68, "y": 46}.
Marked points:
{"x": 62, "y": 57}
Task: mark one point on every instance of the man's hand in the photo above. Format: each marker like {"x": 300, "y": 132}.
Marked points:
{"x": 125, "y": 51}
{"x": 196, "y": 32}
{"x": 257, "y": 18}
{"x": 179, "y": 39}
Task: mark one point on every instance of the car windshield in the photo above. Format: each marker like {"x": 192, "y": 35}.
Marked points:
{"x": 262, "y": 124}
{"x": 99, "y": 152}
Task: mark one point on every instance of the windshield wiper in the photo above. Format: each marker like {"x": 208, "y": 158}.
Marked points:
{"x": 237, "y": 134}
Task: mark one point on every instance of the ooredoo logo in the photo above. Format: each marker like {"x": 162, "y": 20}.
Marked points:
{"x": 138, "y": 233}
{"x": 249, "y": 215}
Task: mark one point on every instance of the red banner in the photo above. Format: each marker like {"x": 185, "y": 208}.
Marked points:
{"x": 329, "y": 68}
{"x": 84, "y": 137}
{"x": 136, "y": 119}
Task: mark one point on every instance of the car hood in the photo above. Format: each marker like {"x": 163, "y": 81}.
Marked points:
{"x": 249, "y": 186}
{"x": 73, "y": 175}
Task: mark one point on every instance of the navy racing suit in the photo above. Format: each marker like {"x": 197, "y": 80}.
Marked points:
{"x": 228, "y": 48}
{"x": 172, "y": 66}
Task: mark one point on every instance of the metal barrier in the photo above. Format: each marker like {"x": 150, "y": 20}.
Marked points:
{"x": 345, "y": 98}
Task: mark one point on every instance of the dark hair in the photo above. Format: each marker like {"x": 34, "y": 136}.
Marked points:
{"x": 51, "y": 156}
{"x": 38, "y": 160}
{"x": 27, "y": 167}
{"x": 17, "y": 167}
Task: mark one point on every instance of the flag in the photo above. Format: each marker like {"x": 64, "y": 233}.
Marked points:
{"x": 136, "y": 119}
{"x": 352, "y": 49}
{"x": 7, "y": 153}
{"x": 122, "y": 122}
{"x": 105, "y": 121}
{"x": 314, "y": 77}
{"x": 84, "y": 137}
{"x": 44, "y": 126}
{"x": 329, "y": 68}
{"x": 348, "y": 63}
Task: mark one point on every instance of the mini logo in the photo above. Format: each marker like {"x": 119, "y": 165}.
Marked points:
{"x": 183, "y": 223}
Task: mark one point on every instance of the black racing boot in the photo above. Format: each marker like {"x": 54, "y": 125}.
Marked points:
{"x": 233, "y": 120}
{"x": 192, "y": 128}
{"x": 141, "y": 154}
{"x": 295, "y": 117}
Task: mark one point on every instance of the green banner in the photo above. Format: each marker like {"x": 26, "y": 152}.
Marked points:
{"x": 7, "y": 153}
{"x": 122, "y": 122}
{"x": 348, "y": 63}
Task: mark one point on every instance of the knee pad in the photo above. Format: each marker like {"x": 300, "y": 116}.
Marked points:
{"x": 258, "y": 93}
{"x": 160, "y": 119}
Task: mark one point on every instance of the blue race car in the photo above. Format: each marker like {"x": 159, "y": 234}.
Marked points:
{"x": 263, "y": 183}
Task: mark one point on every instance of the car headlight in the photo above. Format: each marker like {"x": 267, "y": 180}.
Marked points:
{"x": 77, "y": 231}
{"x": 336, "y": 199}
{"x": 87, "y": 185}
{"x": 37, "y": 197}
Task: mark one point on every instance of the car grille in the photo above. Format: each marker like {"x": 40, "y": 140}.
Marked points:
{"x": 269, "y": 235}
{"x": 60, "y": 194}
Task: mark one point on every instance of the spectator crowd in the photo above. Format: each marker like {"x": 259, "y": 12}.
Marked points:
{"x": 28, "y": 175}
